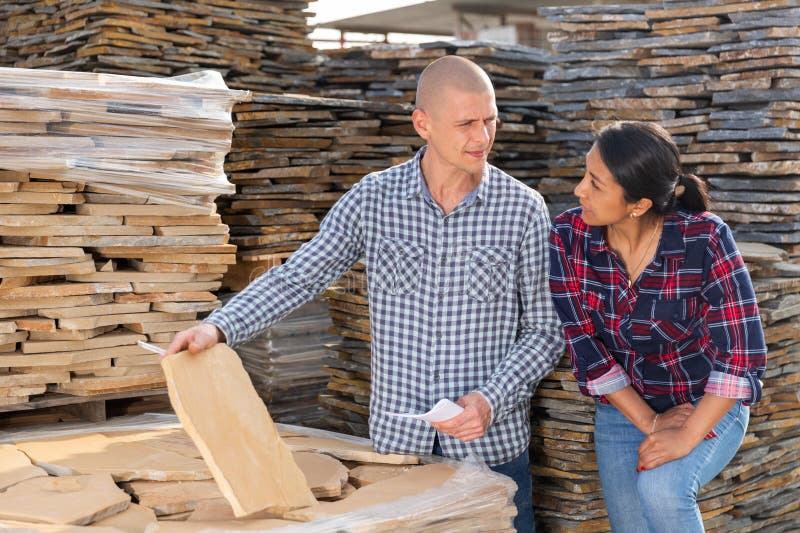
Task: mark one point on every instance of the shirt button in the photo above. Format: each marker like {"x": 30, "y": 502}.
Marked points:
{"x": 444, "y": 260}
{"x": 436, "y": 376}
{"x": 441, "y": 295}
{"x": 439, "y": 335}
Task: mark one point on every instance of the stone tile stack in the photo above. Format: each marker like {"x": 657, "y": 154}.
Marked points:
{"x": 110, "y": 235}
{"x": 255, "y": 44}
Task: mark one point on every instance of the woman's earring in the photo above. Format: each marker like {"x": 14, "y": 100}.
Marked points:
{"x": 633, "y": 214}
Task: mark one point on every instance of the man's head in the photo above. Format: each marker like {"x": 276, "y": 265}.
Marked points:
{"x": 456, "y": 113}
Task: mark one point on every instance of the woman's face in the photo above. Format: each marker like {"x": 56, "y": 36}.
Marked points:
{"x": 600, "y": 195}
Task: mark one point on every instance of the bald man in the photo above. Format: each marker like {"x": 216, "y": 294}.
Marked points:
{"x": 456, "y": 257}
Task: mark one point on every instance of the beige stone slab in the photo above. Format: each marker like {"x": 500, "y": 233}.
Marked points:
{"x": 13, "y": 526}
{"x": 324, "y": 475}
{"x": 75, "y": 357}
{"x": 133, "y": 276}
{"x": 223, "y": 526}
{"x": 79, "y": 367}
{"x": 15, "y": 467}
{"x": 103, "y": 341}
{"x": 70, "y": 335}
{"x": 125, "y": 461}
{"x": 94, "y": 310}
{"x": 346, "y": 451}
{"x": 8, "y": 326}
{"x": 14, "y": 379}
{"x": 57, "y": 290}
{"x": 13, "y": 400}
{"x": 23, "y": 390}
{"x": 219, "y": 509}
{"x": 77, "y": 500}
{"x": 87, "y": 386}
{"x": 364, "y": 475}
{"x": 411, "y": 483}
{"x": 36, "y": 323}
{"x": 147, "y": 287}
{"x": 121, "y": 371}
{"x": 159, "y": 327}
{"x": 140, "y": 210}
{"x": 126, "y": 318}
{"x": 50, "y": 303}
{"x": 175, "y": 440}
{"x": 185, "y": 307}
{"x": 171, "y": 497}
{"x": 134, "y": 519}
{"x": 221, "y": 411}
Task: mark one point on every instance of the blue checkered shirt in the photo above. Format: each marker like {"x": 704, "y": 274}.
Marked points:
{"x": 458, "y": 303}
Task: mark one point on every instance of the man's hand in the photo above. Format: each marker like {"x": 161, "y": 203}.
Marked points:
{"x": 472, "y": 423}
{"x": 195, "y": 339}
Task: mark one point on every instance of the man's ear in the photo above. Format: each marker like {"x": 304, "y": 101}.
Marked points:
{"x": 421, "y": 122}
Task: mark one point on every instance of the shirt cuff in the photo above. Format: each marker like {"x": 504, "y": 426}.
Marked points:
{"x": 224, "y": 326}
{"x": 491, "y": 407}
{"x": 730, "y": 386}
{"x": 610, "y": 382}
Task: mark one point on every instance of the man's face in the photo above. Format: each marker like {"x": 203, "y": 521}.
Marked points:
{"x": 459, "y": 129}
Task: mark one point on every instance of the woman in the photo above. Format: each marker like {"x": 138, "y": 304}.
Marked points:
{"x": 662, "y": 325}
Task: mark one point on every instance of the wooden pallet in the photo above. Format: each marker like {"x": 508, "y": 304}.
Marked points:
{"x": 91, "y": 408}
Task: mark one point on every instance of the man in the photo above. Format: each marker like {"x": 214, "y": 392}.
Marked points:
{"x": 456, "y": 257}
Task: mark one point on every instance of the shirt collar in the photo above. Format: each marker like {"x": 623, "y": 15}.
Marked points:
{"x": 417, "y": 185}
{"x": 671, "y": 244}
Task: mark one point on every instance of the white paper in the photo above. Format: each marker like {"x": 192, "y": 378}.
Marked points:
{"x": 443, "y": 410}
{"x": 151, "y": 347}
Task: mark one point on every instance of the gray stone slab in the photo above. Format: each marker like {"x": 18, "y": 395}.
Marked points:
{"x": 748, "y": 45}
{"x": 746, "y": 96}
{"x": 591, "y": 72}
{"x": 756, "y": 184}
{"x": 742, "y": 135}
{"x": 698, "y": 39}
{"x": 572, "y": 57}
{"x": 742, "y": 16}
{"x": 772, "y": 238}
{"x": 750, "y": 196}
{"x": 742, "y": 124}
{"x": 765, "y": 22}
{"x": 590, "y": 9}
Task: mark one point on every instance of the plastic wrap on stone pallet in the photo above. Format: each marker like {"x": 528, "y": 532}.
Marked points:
{"x": 460, "y": 496}
{"x": 161, "y": 138}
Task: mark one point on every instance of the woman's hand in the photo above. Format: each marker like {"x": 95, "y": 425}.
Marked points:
{"x": 673, "y": 418}
{"x": 664, "y": 446}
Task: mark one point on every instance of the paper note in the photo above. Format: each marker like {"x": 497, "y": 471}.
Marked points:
{"x": 443, "y": 410}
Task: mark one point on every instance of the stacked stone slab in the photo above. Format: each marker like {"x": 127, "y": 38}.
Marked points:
{"x": 256, "y": 44}
{"x": 109, "y": 230}
{"x": 292, "y": 158}
{"x": 720, "y": 77}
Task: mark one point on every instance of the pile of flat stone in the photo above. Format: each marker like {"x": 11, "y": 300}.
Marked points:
{"x": 108, "y": 226}
{"x": 138, "y": 475}
{"x": 286, "y": 363}
{"x": 292, "y": 158}
{"x": 255, "y": 44}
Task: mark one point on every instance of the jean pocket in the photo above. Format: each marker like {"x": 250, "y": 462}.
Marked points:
{"x": 489, "y": 270}
{"x": 399, "y": 267}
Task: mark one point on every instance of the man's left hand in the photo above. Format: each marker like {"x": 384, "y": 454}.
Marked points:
{"x": 472, "y": 423}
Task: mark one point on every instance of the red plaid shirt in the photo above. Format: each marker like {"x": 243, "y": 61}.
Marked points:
{"x": 688, "y": 326}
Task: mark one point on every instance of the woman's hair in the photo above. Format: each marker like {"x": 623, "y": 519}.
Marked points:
{"x": 645, "y": 161}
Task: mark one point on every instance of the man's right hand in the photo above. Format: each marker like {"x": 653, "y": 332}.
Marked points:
{"x": 195, "y": 339}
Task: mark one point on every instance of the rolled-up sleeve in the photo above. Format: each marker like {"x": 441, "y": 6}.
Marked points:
{"x": 733, "y": 321}
{"x": 594, "y": 366}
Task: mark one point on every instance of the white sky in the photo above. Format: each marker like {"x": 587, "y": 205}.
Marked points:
{"x": 327, "y": 10}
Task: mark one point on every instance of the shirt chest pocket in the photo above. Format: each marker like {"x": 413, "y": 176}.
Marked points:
{"x": 489, "y": 273}
{"x": 664, "y": 321}
{"x": 594, "y": 306}
{"x": 399, "y": 267}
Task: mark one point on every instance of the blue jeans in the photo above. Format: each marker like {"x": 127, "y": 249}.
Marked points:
{"x": 663, "y": 499}
{"x": 518, "y": 469}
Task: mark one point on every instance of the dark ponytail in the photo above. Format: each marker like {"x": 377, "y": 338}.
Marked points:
{"x": 645, "y": 161}
{"x": 695, "y": 193}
